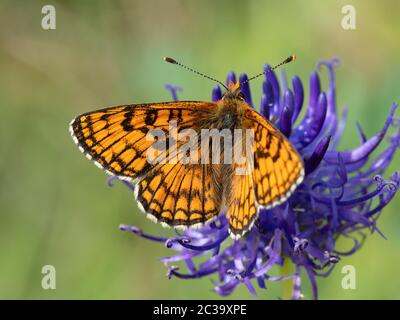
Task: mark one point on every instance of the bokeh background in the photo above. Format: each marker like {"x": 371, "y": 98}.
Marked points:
{"x": 55, "y": 205}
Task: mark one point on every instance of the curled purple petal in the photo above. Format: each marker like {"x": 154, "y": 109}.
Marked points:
{"x": 267, "y": 99}
{"x": 298, "y": 92}
{"x": 264, "y": 106}
{"x": 315, "y": 159}
{"x": 273, "y": 80}
{"x": 230, "y": 78}
{"x": 139, "y": 232}
{"x": 216, "y": 93}
{"x": 174, "y": 91}
{"x": 296, "y": 295}
{"x": 366, "y": 148}
{"x": 300, "y": 245}
{"x": 312, "y": 123}
{"x": 286, "y": 121}
{"x": 245, "y": 87}
{"x": 315, "y": 88}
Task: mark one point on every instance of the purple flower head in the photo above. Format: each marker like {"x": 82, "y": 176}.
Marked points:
{"x": 342, "y": 195}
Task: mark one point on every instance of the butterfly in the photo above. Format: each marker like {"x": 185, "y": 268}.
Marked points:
{"x": 188, "y": 194}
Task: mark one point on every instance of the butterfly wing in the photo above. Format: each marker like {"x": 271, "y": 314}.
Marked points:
{"x": 242, "y": 208}
{"x": 278, "y": 168}
{"x": 116, "y": 138}
{"x": 175, "y": 194}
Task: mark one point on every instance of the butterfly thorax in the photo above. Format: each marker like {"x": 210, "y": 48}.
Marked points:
{"x": 231, "y": 109}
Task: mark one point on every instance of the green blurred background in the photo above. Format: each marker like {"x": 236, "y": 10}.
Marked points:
{"x": 55, "y": 205}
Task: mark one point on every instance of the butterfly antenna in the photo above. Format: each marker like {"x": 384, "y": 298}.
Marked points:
{"x": 287, "y": 60}
{"x": 173, "y": 61}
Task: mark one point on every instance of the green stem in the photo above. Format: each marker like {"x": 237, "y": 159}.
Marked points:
{"x": 287, "y": 285}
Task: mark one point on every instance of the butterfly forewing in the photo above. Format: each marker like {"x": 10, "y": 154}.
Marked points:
{"x": 116, "y": 138}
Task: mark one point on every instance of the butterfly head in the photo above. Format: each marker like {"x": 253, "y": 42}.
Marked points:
{"x": 233, "y": 91}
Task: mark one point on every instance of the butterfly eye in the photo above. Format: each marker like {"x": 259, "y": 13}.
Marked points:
{"x": 240, "y": 95}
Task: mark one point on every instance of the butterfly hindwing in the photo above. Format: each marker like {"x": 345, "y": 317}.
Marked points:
{"x": 179, "y": 195}
{"x": 242, "y": 209}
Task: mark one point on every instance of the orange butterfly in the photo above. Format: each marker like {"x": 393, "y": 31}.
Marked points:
{"x": 190, "y": 194}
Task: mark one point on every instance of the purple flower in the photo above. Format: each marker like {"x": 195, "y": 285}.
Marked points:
{"x": 342, "y": 195}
